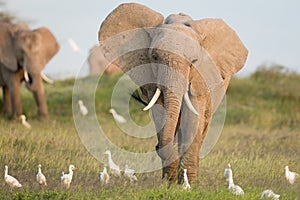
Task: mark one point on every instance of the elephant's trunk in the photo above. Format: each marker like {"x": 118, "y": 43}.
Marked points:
{"x": 173, "y": 86}
{"x": 167, "y": 147}
{"x": 172, "y": 105}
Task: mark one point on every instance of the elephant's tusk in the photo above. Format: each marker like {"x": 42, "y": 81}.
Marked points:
{"x": 45, "y": 78}
{"x": 26, "y": 76}
{"x": 189, "y": 103}
{"x": 153, "y": 100}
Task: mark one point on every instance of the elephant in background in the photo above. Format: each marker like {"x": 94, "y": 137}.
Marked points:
{"x": 24, "y": 53}
{"x": 187, "y": 64}
{"x": 98, "y": 64}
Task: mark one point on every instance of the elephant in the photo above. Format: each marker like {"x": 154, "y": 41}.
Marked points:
{"x": 98, "y": 63}
{"x": 24, "y": 53}
{"x": 182, "y": 67}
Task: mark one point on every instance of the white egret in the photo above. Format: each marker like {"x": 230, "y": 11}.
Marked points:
{"x": 119, "y": 118}
{"x": 40, "y": 177}
{"x": 269, "y": 194}
{"x": 10, "y": 180}
{"x": 290, "y": 176}
{"x": 234, "y": 189}
{"x": 66, "y": 179}
{"x": 129, "y": 173}
{"x": 186, "y": 184}
{"x": 73, "y": 45}
{"x": 115, "y": 169}
{"x": 83, "y": 109}
{"x": 104, "y": 177}
{"x": 24, "y": 122}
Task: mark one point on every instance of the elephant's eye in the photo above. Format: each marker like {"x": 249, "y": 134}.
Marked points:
{"x": 187, "y": 24}
{"x": 195, "y": 60}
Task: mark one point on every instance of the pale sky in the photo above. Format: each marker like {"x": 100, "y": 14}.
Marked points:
{"x": 270, "y": 29}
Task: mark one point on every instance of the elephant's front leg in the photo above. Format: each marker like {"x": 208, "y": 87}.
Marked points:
{"x": 7, "y": 107}
{"x": 15, "y": 95}
{"x": 193, "y": 131}
{"x": 12, "y": 92}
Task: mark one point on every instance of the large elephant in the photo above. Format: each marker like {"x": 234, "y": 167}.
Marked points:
{"x": 184, "y": 64}
{"x": 98, "y": 64}
{"x": 24, "y": 53}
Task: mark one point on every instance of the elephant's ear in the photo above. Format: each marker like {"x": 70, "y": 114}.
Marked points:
{"x": 49, "y": 46}
{"x": 8, "y": 56}
{"x": 222, "y": 44}
{"x": 124, "y": 37}
{"x": 128, "y": 16}
{"x": 42, "y": 44}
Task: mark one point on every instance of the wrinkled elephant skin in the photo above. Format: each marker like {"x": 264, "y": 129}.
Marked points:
{"x": 189, "y": 62}
{"x": 24, "y": 51}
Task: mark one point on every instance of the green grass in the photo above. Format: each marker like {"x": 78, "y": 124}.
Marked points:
{"x": 261, "y": 136}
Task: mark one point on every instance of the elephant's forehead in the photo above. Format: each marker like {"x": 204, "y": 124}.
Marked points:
{"x": 179, "y": 31}
{"x": 177, "y": 41}
{"x": 177, "y": 18}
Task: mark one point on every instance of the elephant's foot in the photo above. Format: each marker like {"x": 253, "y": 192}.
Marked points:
{"x": 191, "y": 163}
{"x": 7, "y": 113}
{"x": 43, "y": 117}
{"x": 169, "y": 172}
{"x": 15, "y": 115}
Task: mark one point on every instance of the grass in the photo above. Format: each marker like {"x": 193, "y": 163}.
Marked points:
{"x": 261, "y": 135}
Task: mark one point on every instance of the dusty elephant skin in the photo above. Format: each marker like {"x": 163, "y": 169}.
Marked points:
{"x": 24, "y": 53}
{"x": 187, "y": 64}
{"x": 98, "y": 63}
